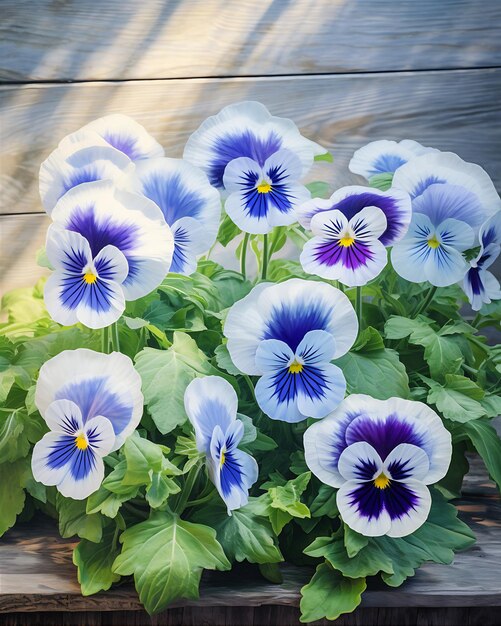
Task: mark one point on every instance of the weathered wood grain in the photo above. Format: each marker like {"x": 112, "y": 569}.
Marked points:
{"x": 456, "y": 111}
{"x": 37, "y": 574}
{"x": 126, "y": 39}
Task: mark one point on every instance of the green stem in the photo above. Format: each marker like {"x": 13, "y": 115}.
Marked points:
{"x": 300, "y": 233}
{"x": 105, "y": 338}
{"x": 476, "y": 320}
{"x": 264, "y": 270}
{"x": 425, "y": 303}
{"x": 243, "y": 255}
{"x": 359, "y": 306}
{"x": 115, "y": 340}
{"x": 250, "y": 384}
{"x": 187, "y": 488}
{"x": 203, "y": 500}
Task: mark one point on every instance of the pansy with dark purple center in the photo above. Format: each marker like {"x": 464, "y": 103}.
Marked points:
{"x": 133, "y": 224}
{"x": 246, "y": 129}
{"x": 262, "y": 197}
{"x": 288, "y": 334}
{"x": 70, "y": 456}
{"x": 98, "y": 384}
{"x": 480, "y": 285}
{"x": 211, "y": 404}
{"x": 395, "y": 204}
{"x": 348, "y": 251}
{"x": 189, "y": 205}
{"x": 385, "y": 157}
{"x": 381, "y": 455}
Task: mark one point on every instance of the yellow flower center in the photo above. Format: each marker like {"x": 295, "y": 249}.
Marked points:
{"x": 90, "y": 278}
{"x": 223, "y": 458}
{"x": 382, "y": 481}
{"x": 295, "y": 367}
{"x": 263, "y": 187}
{"x": 346, "y": 241}
{"x": 81, "y": 442}
{"x": 433, "y": 242}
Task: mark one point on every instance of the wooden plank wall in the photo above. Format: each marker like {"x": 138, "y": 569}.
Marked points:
{"x": 347, "y": 71}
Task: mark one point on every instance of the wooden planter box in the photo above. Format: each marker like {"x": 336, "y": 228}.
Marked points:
{"x": 38, "y": 584}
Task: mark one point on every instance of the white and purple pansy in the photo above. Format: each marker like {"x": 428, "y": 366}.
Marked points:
{"x": 134, "y": 225}
{"x": 348, "y": 251}
{"x": 288, "y": 334}
{"x": 91, "y": 403}
{"x": 76, "y": 163}
{"x": 264, "y": 196}
{"x": 246, "y": 129}
{"x": 442, "y": 186}
{"x": 189, "y": 204}
{"x": 480, "y": 285}
{"x": 126, "y": 135}
{"x": 211, "y": 405}
{"x": 380, "y": 455}
{"x": 385, "y": 156}
{"x": 394, "y": 203}
{"x": 433, "y": 251}
{"x": 83, "y": 288}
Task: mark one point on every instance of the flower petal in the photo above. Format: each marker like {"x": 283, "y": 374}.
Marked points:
{"x": 360, "y": 462}
{"x": 190, "y": 239}
{"x": 317, "y": 347}
{"x": 362, "y": 508}
{"x": 273, "y": 355}
{"x": 276, "y": 396}
{"x": 64, "y": 416}
{"x": 384, "y": 156}
{"x": 407, "y": 461}
{"x": 408, "y": 505}
{"x": 209, "y": 402}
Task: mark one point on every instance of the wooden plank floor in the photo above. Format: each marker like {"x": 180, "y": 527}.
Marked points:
{"x": 37, "y": 575}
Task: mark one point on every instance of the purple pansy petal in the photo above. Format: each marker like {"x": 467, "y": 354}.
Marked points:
{"x": 360, "y": 462}
{"x": 384, "y": 156}
{"x": 443, "y": 201}
{"x": 126, "y": 135}
{"x": 99, "y": 384}
{"x": 209, "y": 402}
{"x": 245, "y": 129}
{"x": 190, "y": 240}
{"x": 395, "y": 204}
{"x": 404, "y": 519}
{"x": 362, "y": 508}
{"x": 406, "y": 461}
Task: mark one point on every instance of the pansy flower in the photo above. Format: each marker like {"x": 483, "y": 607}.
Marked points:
{"x": 442, "y": 186}
{"x": 246, "y": 129}
{"x": 133, "y": 224}
{"x": 395, "y": 205}
{"x": 432, "y": 250}
{"x": 348, "y": 251}
{"x": 75, "y": 163}
{"x": 189, "y": 204}
{"x": 380, "y": 455}
{"x": 288, "y": 334}
{"x": 480, "y": 285}
{"x": 91, "y": 402}
{"x": 126, "y": 135}
{"x": 264, "y": 196}
{"x": 211, "y": 405}
{"x": 385, "y": 157}
{"x": 83, "y": 288}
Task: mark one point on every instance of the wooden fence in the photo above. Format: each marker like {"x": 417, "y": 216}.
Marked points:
{"x": 347, "y": 71}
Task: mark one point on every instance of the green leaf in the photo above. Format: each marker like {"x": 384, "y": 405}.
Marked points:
{"x": 160, "y": 488}
{"x": 318, "y": 189}
{"x": 324, "y": 503}
{"x": 94, "y": 563}
{"x": 364, "y": 372}
{"x": 114, "y": 482}
{"x": 287, "y": 498}
{"x": 353, "y": 541}
{"x": 245, "y": 535}
{"x": 458, "y": 400}
{"x": 368, "y": 340}
{"x": 329, "y": 594}
{"x": 271, "y": 571}
{"x": 326, "y": 156}
{"x": 224, "y": 361}
{"x": 143, "y": 457}
{"x": 381, "y": 181}
{"x": 166, "y": 374}
{"x": 488, "y": 444}
{"x": 167, "y": 556}
{"x": 108, "y": 503}
{"x": 227, "y": 231}
{"x": 11, "y": 493}
{"x": 73, "y": 520}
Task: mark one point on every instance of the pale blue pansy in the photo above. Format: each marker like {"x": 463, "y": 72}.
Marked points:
{"x": 211, "y": 405}
{"x": 385, "y": 156}
{"x": 246, "y": 129}
{"x": 433, "y": 251}
{"x": 479, "y": 284}
{"x": 106, "y": 216}
{"x": 380, "y": 455}
{"x": 288, "y": 334}
{"x": 189, "y": 204}
{"x": 91, "y": 403}
{"x": 348, "y": 251}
